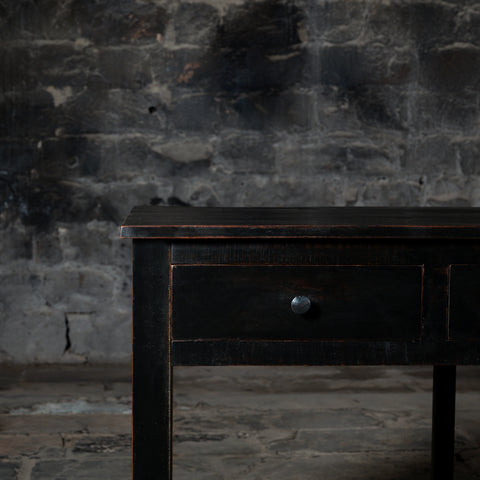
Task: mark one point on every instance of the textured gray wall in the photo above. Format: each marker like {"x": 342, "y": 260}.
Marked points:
{"x": 108, "y": 104}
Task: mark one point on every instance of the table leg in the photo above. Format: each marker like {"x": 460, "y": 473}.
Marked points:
{"x": 152, "y": 369}
{"x": 443, "y": 421}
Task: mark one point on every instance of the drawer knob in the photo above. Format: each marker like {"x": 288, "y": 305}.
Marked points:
{"x": 300, "y": 305}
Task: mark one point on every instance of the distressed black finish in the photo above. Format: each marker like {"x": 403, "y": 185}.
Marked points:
{"x": 429, "y": 252}
{"x": 277, "y": 352}
{"x": 251, "y": 302}
{"x": 328, "y": 222}
{"x": 443, "y": 420}
{"x": 152, "y": 370}
{"x": 214, "y": 286}
{"x": 464, "y": 308}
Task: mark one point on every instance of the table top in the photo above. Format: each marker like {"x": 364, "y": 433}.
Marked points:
{"x": 322, "y": 222}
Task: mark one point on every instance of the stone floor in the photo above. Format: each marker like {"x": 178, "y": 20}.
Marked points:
{"x": 255, "y": 423}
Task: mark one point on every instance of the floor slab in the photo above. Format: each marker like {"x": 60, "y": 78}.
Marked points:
{"x": 305, "y": 423}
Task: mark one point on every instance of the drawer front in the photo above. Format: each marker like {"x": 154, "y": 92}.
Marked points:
{"x": 254, "y": 302}
{"x": 464, "y": 302}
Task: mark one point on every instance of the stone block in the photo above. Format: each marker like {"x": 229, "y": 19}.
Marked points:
{"x": 419, "y": 23}
{"x": 181, "y": 67}
{"x": 8, "y": 470}
{"x": 99, "y": 22}
{"x": 354, "y": 66}
{"x": 46, "y": 248}
{"x": 14, "y": 64}
{"x": 251, "y": 70}
{"x": 354, "y": 440}
{"x": 110, "y": 158}
{"x": 109, "y": 111}
{"x": 39, "y": 202}
{"x": 308, "y": 382}
{"x": 16, "y": 242}
{"x": 267, "y": 24}
{"x": 195, "y": 23}
{"x": 248, "y": 152}
{"x": 68, "y": 157}
{"x": 20, "y": 114}
{"x": 177, "y": 156}
{"x": 34, "y": 445}
{"x": 391, "y": 192}
{"x": 123, "y": 195}
{"x": 64, "y": 66}
{"x": 98, "y": 339}
{"x": 17, "y": 156}
{"x": 263, "y": 190}
{"x": 449, "y": 111}
{"x": 291, "y": 110}
{"x": 125, "y": 158}
{"x": 218, "y": 444}
{"x": 55, "y": 315}
{"x": 336, "y": 21}
{"x": 335, "y": 113}
{"x": 343, "y": 66}
{"x": 199, "y": 192}
{"x": 30, "y": 330}
{"x": 111, "y": 466}
{"x": 269, "y": 424}
{"x": 67, "y": 417}
{"x": 431, "y": 155}
{"x": 466, "y": 155}
{"x": 30, "y": 66}
{"x": 195, "y": 112}
{"x": 126, "y": 21}
{"x": 256, "y": 48}
{"x": 76, "y": 288}
{"x": 103, "y": 444}
{"x": 338, "y": 153}
{"x": 452, "y": 69}
{"x": 374, "y": 466}
{"x": 468, "y": 24}
{"x": 385, "y": 107}
{"x": 448, "y": 191}
{"x": 183, "y": 150}
{"x": 129, "y": 68}
{"x": 357, "y": 157}
{"x": 94, "y": 243}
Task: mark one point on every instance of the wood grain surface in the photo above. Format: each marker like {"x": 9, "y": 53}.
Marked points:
{"x": 325, "y": 222}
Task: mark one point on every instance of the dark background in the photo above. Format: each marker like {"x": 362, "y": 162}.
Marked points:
{"x": 106, "y": 105}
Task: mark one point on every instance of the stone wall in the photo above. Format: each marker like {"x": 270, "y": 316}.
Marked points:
{"x": 106, "y": 105}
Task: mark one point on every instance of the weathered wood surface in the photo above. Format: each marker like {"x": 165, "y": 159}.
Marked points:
{"x": 213, "y": 286}
{"x": 326, "y": 222}
{"x": 277, "y": 352}
{"x": 152, "y": 369}
{"x": 431, "y": 252}
{"x": 253, "y": 302}
{"x": 464, "y": 308}
{"x": 443, "y": 421}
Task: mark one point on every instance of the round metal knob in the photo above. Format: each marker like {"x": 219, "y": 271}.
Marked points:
{"x": 300, "y": 305}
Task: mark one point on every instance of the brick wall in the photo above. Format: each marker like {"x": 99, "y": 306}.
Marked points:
{"x": 105, "y": 105}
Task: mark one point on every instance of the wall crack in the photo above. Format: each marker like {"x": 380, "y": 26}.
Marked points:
{"x": 68, "y": 343}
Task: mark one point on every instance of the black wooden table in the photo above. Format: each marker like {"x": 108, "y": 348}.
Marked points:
{"x": 299, "y": 286}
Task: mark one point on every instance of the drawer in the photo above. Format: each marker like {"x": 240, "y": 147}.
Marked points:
{"x": 464, "y": 302}
{"x": 254, "y": 302}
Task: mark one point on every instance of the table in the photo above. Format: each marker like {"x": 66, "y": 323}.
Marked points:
{"x": 299, "y": 286}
